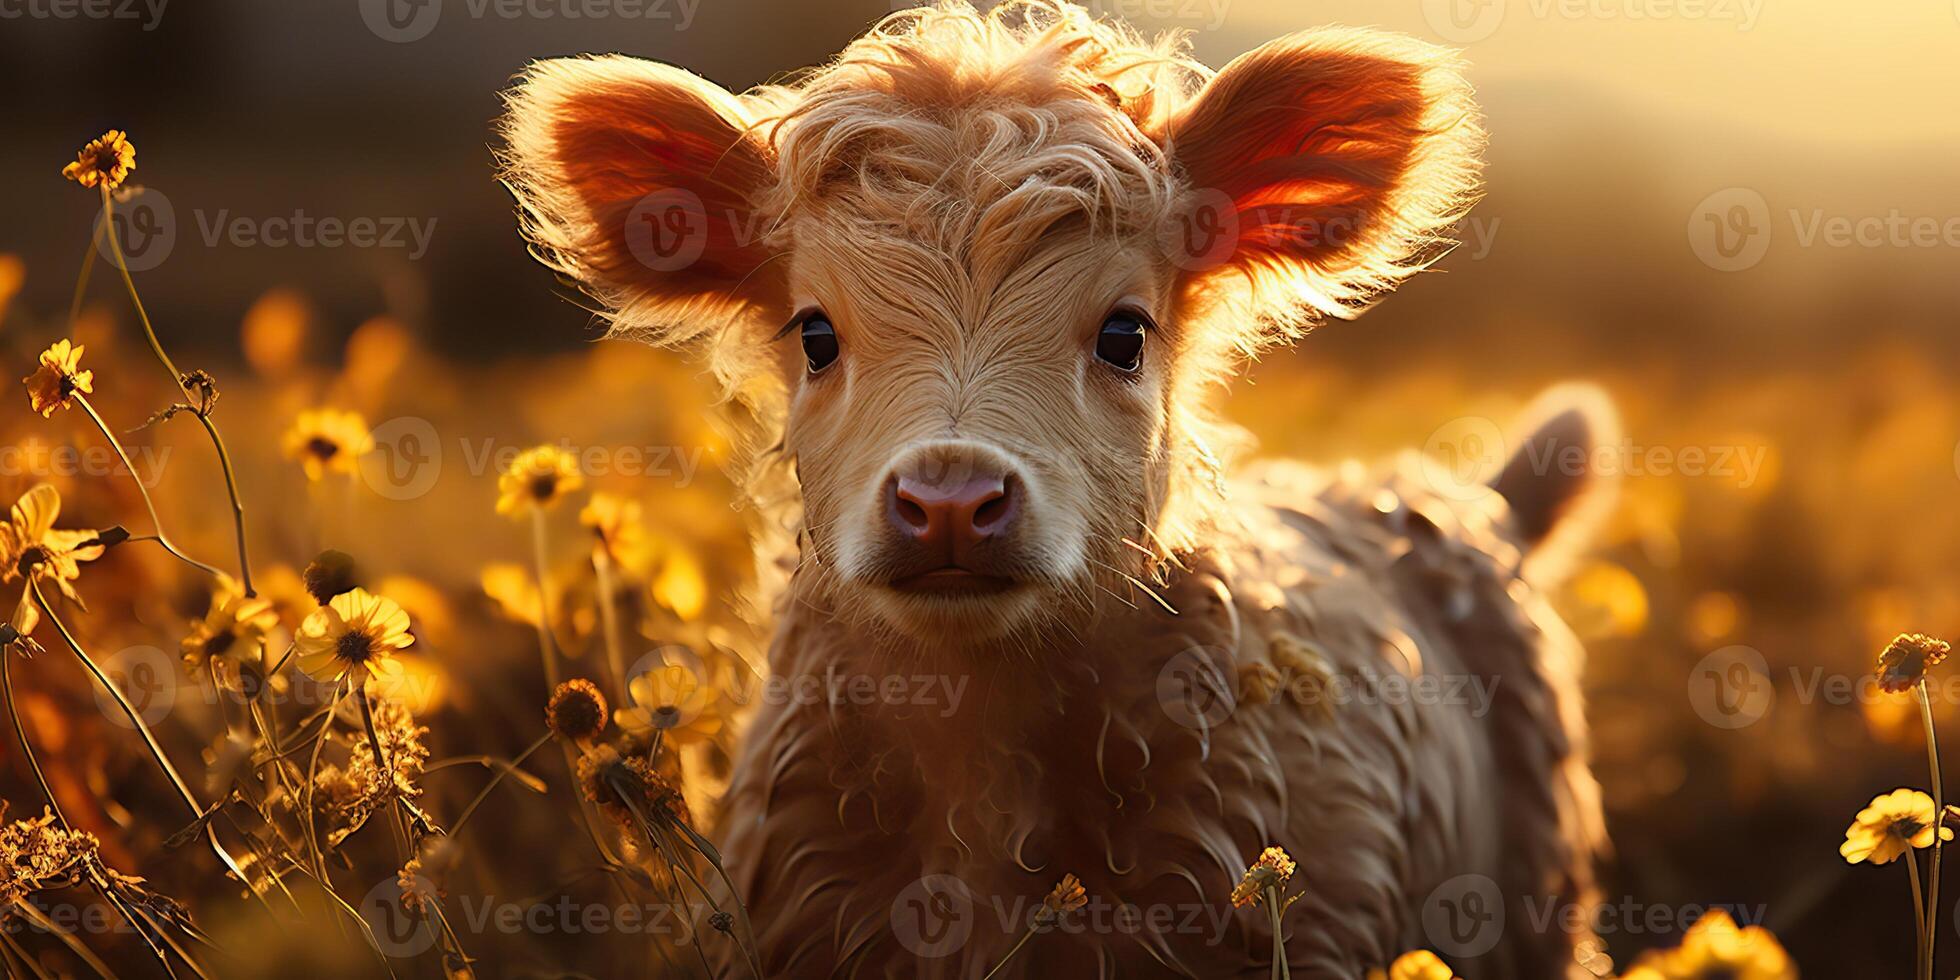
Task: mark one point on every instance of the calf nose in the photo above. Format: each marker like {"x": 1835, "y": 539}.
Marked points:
{"x": 950, "y": 517}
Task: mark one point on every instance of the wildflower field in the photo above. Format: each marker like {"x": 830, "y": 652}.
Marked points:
{"x": 349, "y": 635}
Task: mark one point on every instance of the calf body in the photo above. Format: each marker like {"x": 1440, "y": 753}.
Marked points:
{"x": 1360, "y": 675}
{"x": 979, "y": 280}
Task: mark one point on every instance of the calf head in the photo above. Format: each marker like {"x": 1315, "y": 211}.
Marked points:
{"x": 979, "y": 273}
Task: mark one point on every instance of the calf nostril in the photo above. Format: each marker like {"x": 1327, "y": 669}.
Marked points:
{"x": 906, "y": 508}
{"x": 995, "y": 508}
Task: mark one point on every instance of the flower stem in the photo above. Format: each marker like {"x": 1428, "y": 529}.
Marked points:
{"x": 143, "y": 491}
{"x": 20, "y": 734}
{"x": 609, "y": 620}
{"x": 149, "y": 739}
{"x": 1273, "y": 908}
{"x": 502, "y": 771}
{"x": 177, "y": 378}
{"x": 237, "y": 507}
{"x": 1918, "y": 906}
{"x": 1939, "y": 829}
{"x": 545, "y": 644}
{"x": 122, "y": 264}
{"x": 1016, "y": 948}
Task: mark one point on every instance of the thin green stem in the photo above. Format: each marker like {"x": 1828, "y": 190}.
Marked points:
{"x": 609, "y": 621}
{"x": 237, "y": 506}
{"x": 1281, "y": 969}
{"x": 545, "y": 644}
{"x": 81, "y": 281}
{"x": 484, "y": 793}
{"x": 143, "y": 491}
{"x": 122, "y": 264}
{"x": 20, "y": 734}
{"x": 1918, "y": 906}
{"x": 176, "y": 378}
{"x": 149, "y": 739}
{"x": 1939, "y": 830}
{"x": 1011, "y": 951}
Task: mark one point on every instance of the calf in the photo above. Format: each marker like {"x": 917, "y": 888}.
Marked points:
{"x": 977, "y": 279}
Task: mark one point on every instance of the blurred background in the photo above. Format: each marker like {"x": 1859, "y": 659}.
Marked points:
{"x": 1739, "y": 216}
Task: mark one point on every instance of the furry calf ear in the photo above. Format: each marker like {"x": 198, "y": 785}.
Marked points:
{"x": 636, "y": 179}
{"x": 1553, "y": 481}
{"x": 1325, "y": 167}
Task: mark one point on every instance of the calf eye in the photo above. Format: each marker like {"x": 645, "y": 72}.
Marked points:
{"x": 1120, "y": 345}
{"x": 819, "y": 342}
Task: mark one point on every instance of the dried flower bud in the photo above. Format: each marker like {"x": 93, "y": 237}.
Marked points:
{"x": 577, "y": 710}
{"x": 330, "y": 574}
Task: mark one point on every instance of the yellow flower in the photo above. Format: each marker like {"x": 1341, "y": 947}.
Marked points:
{"x": 29, "y": 540}
{"x": 106, "y": 161}
{"x": 1893, "y": 823}
{"x": 234, "y": 626}
{"x": 328, "y": 441}
{"x": 54, "y": 384}
{"x": 615, "y": 521}
{"x": 1715, "y": 947}
{"x": 1418, "y": 964}
{"x": 627, "y": 789}
{"x": 1272, "y": 870}
{"x": 357, "y": 632}
{"x": 537, "y": 478}
{"x": 675, "y": 700}
{"x": 1906, "y": 660}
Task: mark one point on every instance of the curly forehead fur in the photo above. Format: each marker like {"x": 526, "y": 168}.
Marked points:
{"x": 950, "y": 132}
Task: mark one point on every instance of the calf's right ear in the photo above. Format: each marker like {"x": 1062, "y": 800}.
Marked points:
{"x": 637, "y": 179}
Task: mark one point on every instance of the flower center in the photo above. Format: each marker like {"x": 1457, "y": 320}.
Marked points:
{"x": 355, "y": 647}
{"x": 666, "y": 716}
{"x": 322, "y": 447}
{"x": 219, "y": 643}
{"x": 544, "y": 486}
{"x": 1905, "y": 827}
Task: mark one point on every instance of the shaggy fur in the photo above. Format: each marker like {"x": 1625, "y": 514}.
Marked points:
{"x": 966, "y": 197}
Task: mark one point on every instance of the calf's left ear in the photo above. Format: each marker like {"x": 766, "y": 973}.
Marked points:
{"x": 1325, "y": 167}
